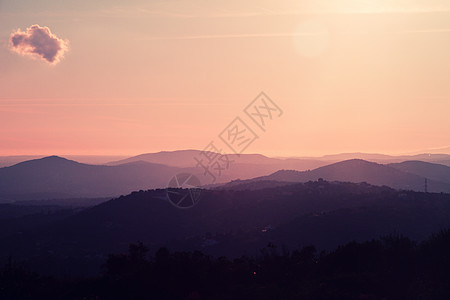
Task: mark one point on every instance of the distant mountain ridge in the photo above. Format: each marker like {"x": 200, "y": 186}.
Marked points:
{"x": 10, "y": 160}
{"x": 184, "y": 158}
{"x": 429, "y": 170}
{"x": 56, "y": 177}
{"x": 357, "y": 170}
{"x": 59, "y": 178}
{"x": 439, "y": 158}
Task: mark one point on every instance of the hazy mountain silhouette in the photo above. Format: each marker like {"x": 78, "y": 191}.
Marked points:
{"x": 56, "y": 177}
{"x": 432, "y": 171}
{"x": 185, "y": 158}
{"x": 357, "y": 170}
{"x": 445, "y": 162}
{"x": 6, "y": 161}
{"x": 385, "y": 159}
{"x": 438, "y": 150}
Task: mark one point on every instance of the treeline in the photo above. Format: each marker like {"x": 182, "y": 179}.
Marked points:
{"x": 392, "y": 267}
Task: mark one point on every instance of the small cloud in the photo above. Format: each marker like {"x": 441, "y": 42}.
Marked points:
{"x": 39, "y": 42}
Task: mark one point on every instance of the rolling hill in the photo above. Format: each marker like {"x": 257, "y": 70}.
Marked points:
{"x": 357, "y": 170}
{"x": 432, "y": 171}
{"x": 185, "y": 158}
{"x": 56, "y": 177}
{"x": 230, "y": 223}
{"x": 59, "y": 178}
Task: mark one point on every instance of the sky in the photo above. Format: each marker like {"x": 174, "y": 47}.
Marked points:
{"x": 129, "y": 77}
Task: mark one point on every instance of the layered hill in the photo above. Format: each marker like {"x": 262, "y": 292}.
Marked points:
{"x": 399, "y": 176}
{"x": 431, "y": 171}
{"x": 56, "y": 177}
{"x": 232, "y": 223}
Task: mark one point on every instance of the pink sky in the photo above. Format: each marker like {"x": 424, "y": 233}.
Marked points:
{"x": 145, "y": 76}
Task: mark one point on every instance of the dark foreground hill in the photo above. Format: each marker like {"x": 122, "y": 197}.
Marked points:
{"x": 231, "y": 223}
{"x": 391, "y": 267}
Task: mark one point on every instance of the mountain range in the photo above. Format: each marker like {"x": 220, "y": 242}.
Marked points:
{"x": 184, "y": 158}
{"x": 55, "y": 177}
{"x": 409, "y": 175}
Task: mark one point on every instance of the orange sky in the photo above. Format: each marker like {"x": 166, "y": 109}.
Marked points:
{"x": 145, "y": 76}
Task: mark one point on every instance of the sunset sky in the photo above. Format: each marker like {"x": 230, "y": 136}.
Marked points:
{"x": 144, "y": 76}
